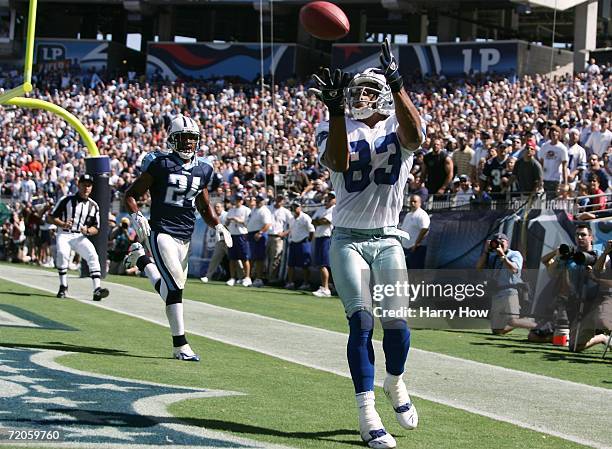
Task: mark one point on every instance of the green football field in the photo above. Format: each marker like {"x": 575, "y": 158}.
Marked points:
{"x": 283, "y": 403}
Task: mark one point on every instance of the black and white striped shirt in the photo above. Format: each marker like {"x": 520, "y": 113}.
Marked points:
{"x": 82, "y": 212}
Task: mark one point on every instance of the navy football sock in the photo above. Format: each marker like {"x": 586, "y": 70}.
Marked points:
{"x": 360, "y": 352}
{"x": 396, "y": 343}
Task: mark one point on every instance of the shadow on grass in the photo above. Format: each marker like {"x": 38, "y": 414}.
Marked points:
{"x": 548, "y": 352}
{"x": 66, "y": 347}
{"x": 9, "y": 293}
{"x": 135, "y": 422}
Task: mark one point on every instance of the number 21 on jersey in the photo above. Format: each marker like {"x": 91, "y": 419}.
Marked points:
{"x": 182, "y": 190}
{"x": 357, "y": 177}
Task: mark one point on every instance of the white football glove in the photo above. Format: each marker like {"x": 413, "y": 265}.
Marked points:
{"x": 224, "y": 235}
{"x": 141, "y": 226}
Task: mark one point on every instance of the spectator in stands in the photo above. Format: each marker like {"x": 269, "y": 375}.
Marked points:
{"x": 596, "y": 201}
{"x": 592, "y": 68}
{"x": 600, "y": 139}
{"x": 462, "y": 156}
{"x": 417, "y": 187}
{"x": 495, "y": 171}
{"x": 464, "y": 193}
{"x": 528, "y": 171}
{"x": 322, "y": 220}
{"x": 416, "y": 223}
{"x": 258, "y": 224}
{"x": 577, "y": 159}
{"x": 595, "y": 169}
{"x": 300, "y": 233}
{"x": 554, "y": 158}
{"x": 438, "y": 169}
{"x": 481, "y": 149}
{"x": 480, "y": 200}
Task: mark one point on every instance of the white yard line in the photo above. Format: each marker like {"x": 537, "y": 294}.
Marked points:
{"x": 527, "y": 400}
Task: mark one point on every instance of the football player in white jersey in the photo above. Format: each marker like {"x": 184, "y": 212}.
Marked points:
{"x": 370, "y": 156}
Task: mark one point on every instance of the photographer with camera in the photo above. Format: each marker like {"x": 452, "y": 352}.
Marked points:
{"x": 505, "y": 265}
{"x": 118, "y": 245}
{"x": 587, "y": 286}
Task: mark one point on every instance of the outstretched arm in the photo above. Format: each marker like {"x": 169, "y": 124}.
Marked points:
{"x": 408, "y": 118}
{"x": 331, "y": 88}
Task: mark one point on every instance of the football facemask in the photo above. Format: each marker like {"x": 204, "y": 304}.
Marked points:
{"x": 184, "y": 137}
{"x": 367, "y": 93}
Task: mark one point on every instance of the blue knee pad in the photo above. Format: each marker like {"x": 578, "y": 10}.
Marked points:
{"x": 396, "y": 344}
{"x": 360, "y": 352}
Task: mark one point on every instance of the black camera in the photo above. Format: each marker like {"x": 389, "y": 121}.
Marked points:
{"x": 494, "y": 244}
{"x": 568, "y": 252}
{"x": 125, "y": 225}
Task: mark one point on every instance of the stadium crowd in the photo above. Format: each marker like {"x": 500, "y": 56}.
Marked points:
{"x": 487, "y": 137}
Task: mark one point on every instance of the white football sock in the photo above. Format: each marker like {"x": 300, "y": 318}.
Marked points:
{"x": 174, "y": 312}
{"x": 368, "y": 416}
{"x": 396, "y": 387}
{"x": 152, "y": 273}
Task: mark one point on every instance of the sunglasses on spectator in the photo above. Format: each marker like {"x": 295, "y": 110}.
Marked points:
{"x": 582, "y": 234}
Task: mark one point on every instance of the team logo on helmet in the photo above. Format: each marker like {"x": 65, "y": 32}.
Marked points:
{"x": 370, "y": 81}
{"x": 183, "y": 130}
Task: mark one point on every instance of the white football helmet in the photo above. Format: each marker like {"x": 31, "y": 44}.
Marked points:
{"x": 181, "y": 128}
{"x": 383, "y": 103}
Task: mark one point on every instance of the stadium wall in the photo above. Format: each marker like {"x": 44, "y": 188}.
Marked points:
{"x": 88, "y": 54}
{"x": 536, "y": 59}
{"x": 455, "y": 59}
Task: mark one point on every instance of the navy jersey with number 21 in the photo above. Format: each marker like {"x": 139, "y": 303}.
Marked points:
{"x": 176, "y": 184}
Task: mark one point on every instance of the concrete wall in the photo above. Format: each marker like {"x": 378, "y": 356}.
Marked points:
{"x": 536, "y": 59}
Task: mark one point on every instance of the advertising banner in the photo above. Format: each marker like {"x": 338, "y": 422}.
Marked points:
{"x": 448, "y": 59}
{"x": 202, "y": 61}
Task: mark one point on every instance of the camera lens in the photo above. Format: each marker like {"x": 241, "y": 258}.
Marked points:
{"x": 564, "y": 249}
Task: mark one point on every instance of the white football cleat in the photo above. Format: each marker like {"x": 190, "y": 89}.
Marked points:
{"x": 405, "y": 411}
{"x": 247, "y": 282}
{"x": 135, "y": 252}
{"x": 231, "y": 282}
{"x": 371, "y": 427}
{"x": 204, "y": 279}
{"x": 380, "y": 439}
{"x": 185, "y": 353}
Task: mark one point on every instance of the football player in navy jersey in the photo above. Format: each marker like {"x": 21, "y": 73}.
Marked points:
{"x": 177, "y": 183}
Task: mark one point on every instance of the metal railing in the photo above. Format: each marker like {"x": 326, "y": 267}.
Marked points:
{"x": 515, "y": 201}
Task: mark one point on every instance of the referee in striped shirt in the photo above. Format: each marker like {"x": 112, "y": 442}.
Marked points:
{"x": 77, "y": 217}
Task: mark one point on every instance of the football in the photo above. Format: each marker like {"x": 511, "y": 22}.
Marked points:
{"x": 324, "y": 20}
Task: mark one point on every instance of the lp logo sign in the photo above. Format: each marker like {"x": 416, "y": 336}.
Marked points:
{"x": 488, "y": 58}
{"x": 50, "y": 52}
